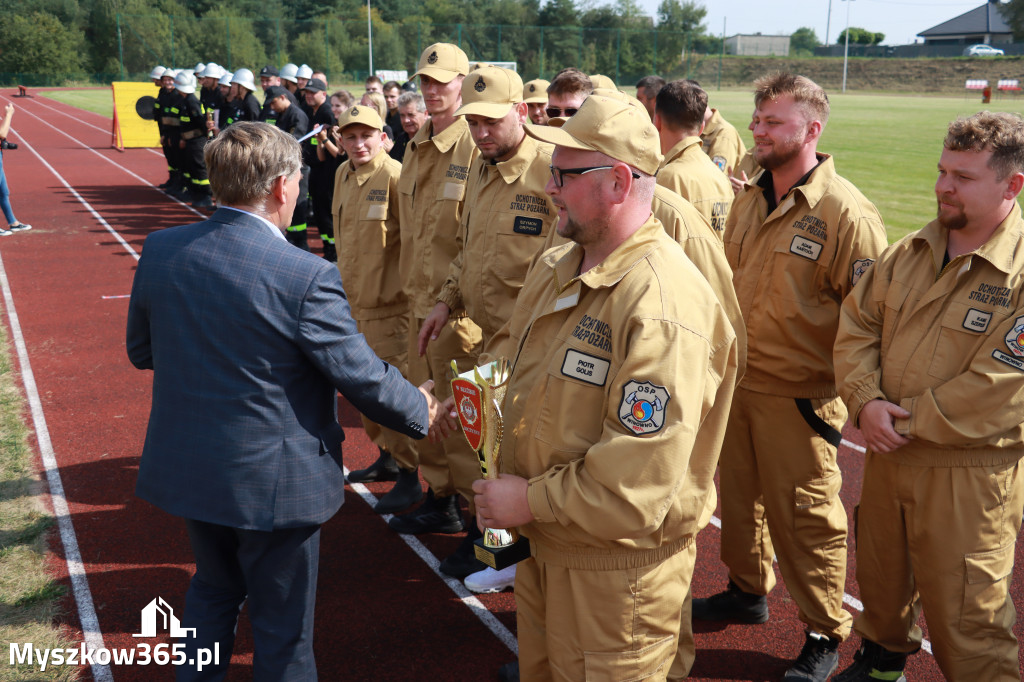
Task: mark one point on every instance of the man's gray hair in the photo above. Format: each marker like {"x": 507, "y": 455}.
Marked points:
{"x": 246, "y": 158}
{"x": 412, "y": 98}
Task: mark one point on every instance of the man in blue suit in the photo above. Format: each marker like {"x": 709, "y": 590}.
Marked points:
{"x": 249, "y": 339}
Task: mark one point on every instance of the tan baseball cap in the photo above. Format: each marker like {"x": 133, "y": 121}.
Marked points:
{"x": 604, "y": 82}
{"x": 611, "y": 126}
{"x": 442, "y": 62}
{"x": 368, "y": 116}
{"x": 490, "y": 91}
{"x": 536, "y": 91}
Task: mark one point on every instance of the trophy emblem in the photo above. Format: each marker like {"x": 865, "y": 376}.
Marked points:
{"x": 479, "y": 396}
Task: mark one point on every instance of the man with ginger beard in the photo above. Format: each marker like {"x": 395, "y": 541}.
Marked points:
{"x": 798, "y": 238}
{"x": 939, "y": 402}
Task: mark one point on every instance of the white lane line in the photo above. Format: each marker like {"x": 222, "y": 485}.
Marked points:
{"x": 74, "y": 118}
{"x": 95, "y": 214}
{"x": 479, "y": 610}
{"x": 848, "y": 599}
{"x": 141, "y": 179}
{"x": 76, "y": 570}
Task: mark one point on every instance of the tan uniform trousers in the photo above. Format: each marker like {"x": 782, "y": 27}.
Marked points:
{"x": 450, "y": 466}
{"x": 943, "y": 539}
{"x": 777, "y": 473}
{"x": 600, "y": 626}
{"x": 388, "y": 337}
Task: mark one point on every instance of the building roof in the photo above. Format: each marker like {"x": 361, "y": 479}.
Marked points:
{"x": 984, "y": 19}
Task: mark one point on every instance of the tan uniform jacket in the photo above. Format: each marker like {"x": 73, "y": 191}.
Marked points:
{"x": 613, "y": 373}
{"x": 690, "y": 173}
{"x": 748, "y": 164}
{"x": 505, "y": 222}
{"x": 948, "y": 347}
{"x": 368, "y": 238}
{"x": 722, "y": 142}
{"x": 791, "y": 270}
{"x": 431, "y": 190}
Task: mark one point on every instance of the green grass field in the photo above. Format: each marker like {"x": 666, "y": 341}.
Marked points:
{"x": 887, "y": 145}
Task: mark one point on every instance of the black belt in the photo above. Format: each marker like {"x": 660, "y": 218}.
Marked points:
{"x": 820, "y": 426}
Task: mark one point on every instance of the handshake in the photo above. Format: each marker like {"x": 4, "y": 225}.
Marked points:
{"x": 443, "y": 420}
{"x": 4, "y": 144}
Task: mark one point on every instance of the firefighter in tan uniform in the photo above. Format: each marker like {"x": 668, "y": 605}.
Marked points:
{"x": 722, "y": 142}
{"x": 929, "y": 359}
{"x": 621, "y": 352}
{"x": 505, "y": 221}
{"x": 798, "y": 239}
{"x": 679, "y": 116}
{"x": 365, "y": 210}
{"x": 432, "y": 191}
{"x": 535, "y": 95}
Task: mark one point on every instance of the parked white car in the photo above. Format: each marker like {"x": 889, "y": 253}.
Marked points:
{"x": 983, "y": 51}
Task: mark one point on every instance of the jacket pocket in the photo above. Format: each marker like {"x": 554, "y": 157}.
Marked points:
{"x": 957, "y": 342}
{"x": 627, "y": 666}
{"x": 986, "y": 591}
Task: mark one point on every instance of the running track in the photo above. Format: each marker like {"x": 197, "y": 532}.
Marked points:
{"x": 383, "y": 611}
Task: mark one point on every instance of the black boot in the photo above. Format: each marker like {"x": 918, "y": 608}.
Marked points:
{"x": 404, "y": 494}
{"x": 733, "y": 605}
{"x": 509, "y": 672}
{"x": 435, "y": 515}
{"x": 874, "y": 662}
{"x": 463, "y": 561}
{"x": 383, "y": 469}
{"x": 330, "y": 253}
{"x": 817, "y": 660}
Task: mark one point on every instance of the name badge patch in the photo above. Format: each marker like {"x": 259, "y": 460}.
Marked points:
{"x": 377, "y": 212}
{"x": 642, "y": 410}
{"x": 526, "y": 225}
{"x": 589, "y": 368}
{"x": 977, "y": 320}
{"x": 805, "y": 248}
{"x": 454, "y": 190}
{"x": 1016, "y": 363}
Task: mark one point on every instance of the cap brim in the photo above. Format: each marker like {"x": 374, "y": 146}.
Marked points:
{"x": 438, "y": 74}
{"x": 488, "y": 109}
{"x": 556, "y": 136}
{"x": 536, "y": 100}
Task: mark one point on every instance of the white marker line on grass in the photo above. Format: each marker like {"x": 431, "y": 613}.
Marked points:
{"x": 479, "y": 610}
{"x": 145, "y": 182}
{"x": 76, "y": 570}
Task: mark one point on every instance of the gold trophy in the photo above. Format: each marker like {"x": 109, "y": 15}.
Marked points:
{"x": 479, "y": 395}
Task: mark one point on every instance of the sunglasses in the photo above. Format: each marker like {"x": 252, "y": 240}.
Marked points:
{"x": 558, "y": 174}
{"x": 555, "y": 112}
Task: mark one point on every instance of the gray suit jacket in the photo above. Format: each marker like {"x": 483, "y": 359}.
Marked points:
{"x": 249, "y": 338}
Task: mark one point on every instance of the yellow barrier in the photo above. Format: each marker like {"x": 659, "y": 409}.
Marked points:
{"x": 130, "y": 129}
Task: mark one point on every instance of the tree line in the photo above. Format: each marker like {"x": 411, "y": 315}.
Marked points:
{"x": 110, "y": 39}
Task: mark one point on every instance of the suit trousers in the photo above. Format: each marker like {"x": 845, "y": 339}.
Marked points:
{"x": 579, "y": 625}
{"x": 274, "y": 573}
{"x": 776, "y": 473}
{"x": 450, "y": 466}
{"x": 942, "y": 538}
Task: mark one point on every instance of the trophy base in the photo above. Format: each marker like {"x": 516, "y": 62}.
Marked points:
{"x": 502, "y": 557}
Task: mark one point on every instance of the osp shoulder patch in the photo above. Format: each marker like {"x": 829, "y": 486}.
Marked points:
{"x": 719, "y": 161}
{"x": 858, "y": 269}
{"x": 1015, "y": 337}
{"x": 642, "y": 410}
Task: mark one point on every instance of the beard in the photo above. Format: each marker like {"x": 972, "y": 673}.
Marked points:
{"x": 952, "y": 221}
{"x": 781, "y": 153}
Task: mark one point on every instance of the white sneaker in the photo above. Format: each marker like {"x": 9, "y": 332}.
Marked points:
{"x": 20, "y": 227}
{"x": 5, "y": 232}
{"x": 489, "y": 580}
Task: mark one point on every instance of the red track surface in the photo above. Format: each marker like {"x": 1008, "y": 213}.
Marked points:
{"x": 382, "y": 612}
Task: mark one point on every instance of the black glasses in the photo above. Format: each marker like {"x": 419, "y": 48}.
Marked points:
{"x": 558, "y": 174}
{"x": 555, "y": 112}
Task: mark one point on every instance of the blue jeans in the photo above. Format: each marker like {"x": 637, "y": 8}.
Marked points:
{"x": 5, "y": 196}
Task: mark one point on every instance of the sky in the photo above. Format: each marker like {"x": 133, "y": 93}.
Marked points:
{"x": 899, "y": 20}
